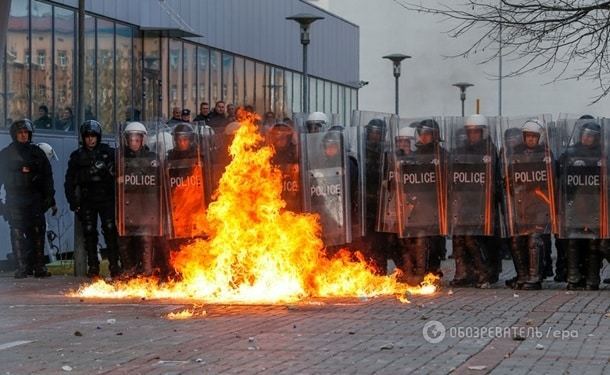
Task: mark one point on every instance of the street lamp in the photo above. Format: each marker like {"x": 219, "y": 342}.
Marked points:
{"x": 396, "y": 59}
{"x": 462, "y": 86}
{"x": 305, "y": 19}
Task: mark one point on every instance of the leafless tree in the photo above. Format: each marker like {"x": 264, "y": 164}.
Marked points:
{"x": 566, "y": 37}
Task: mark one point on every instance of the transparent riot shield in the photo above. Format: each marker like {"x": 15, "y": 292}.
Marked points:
{"x": 421, "y": 179}
{"x": 184, "y": 173}
{"x": 285, "y": 142}
{"x": 368, "y": 135}
{"x": 529, "y": 175}
{"x": 325, "y": 183}
{"x": 139, "y": 203}
{"x": 472, "y": 175}
{"x": 582, "y": 212}
{"x": 397, "y": 145}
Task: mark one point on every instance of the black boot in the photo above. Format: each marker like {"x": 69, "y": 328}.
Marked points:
{"x": 461, "y": 277}
{"x": 20, "y": 251}
{"x": 560, "y": 264}
{"x": 573, "y": 256}
{"x": 519, "y": 252}
{"x": 593, "y": 265}
{"x": 535, "y": 250}
{"x": 38, "y": 233}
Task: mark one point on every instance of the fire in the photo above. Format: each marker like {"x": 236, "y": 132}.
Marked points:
{"x": 255, "y": 251}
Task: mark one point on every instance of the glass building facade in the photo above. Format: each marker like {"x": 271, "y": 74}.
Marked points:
{"x": 132, "y": 74}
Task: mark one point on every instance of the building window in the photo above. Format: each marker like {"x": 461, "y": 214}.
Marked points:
{"x": 63, "y": 58}
{"x": 42, "y": 57}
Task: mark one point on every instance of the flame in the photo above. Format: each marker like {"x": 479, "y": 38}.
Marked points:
{"x": 257, "y": 252}
{"x": 195, "y": 312}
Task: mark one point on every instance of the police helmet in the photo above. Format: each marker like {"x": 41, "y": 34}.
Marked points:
{"x": 476, "y": 122}
{"x": 135, "y": 127}
{"x": 91, "y": 127}
{"x": 22, "y": 124}
{"x": 406, "y": 132}
{"x": 48, "y": 150}
{"x": 429, "y": 126}
{"x": 315, "y": 122}
{"x": 512, "y": 133}
{"x": 590, "y": 128}
{"x": 532, "y": 126}
{"x": 183, "y": 130}
{"x": 376, "y": 124}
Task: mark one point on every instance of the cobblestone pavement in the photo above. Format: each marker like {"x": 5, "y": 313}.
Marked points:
{"x": 42, "y": 331}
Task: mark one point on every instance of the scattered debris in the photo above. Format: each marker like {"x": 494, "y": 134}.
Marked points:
{"x": 388, "y": 346}
{"x": 66, "y": 368}
{"x": 77, "y": 333}
{"x": 529, "y": 322}
{"x": 119, "y": 333}
{"x": 515, "y": 295}
{"x": 111, "y": 321}
{"x": 477, "y": 367}
{"x": 199, "y": 360}
{"x": 539, "y": 346}
{"x": 450, "y": 292}
{"x": 518, "y": 338}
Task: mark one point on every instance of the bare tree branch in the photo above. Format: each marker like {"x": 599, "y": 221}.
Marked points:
{"x": 567, "y": 37}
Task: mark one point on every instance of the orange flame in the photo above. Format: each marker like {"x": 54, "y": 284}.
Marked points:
{"x": 257, "y": 252}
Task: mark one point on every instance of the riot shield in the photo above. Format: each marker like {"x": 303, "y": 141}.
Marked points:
{"x": 184, "y": 173}
{"x": 582, "y": 212}
{"x": 396, "y": 145}
{"x": 528, "y": 171}
{"x": 472, "y": 167}
{"x": 368, "y": 134}
{"x": 325, "y": 183}
{"x": 421, "y": 180}
{"x": 139, "y": 203}
{"x": 285, "y": 142}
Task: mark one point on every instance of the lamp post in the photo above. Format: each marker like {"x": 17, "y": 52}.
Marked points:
{"x": 396, "y": 59}
{"x": 305, "y": 20}
{"x": 462, "y": 86}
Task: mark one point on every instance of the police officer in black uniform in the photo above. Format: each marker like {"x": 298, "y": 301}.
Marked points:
{"x": 375, "y": 243}
{"x": 141, "y": 182}
{"x": 528, "y": 249}
{"x": 473, "y": 263}
{"x": 89, "y": 188}
{"x": 424, "y": 251}
{"x": 27, "y": 177}
{"x": 583, "y": 254}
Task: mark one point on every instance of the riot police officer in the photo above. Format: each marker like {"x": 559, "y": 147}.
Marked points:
{"x": 375, "y": 244}
{"x": 424, "y": 203}
{"x": 579, "y": 163}
{"x": 90, "y": 190}
{"x": 473, "y": 173}
{"x": 282, "y": 137}
{"x": 139, "y": 201}
{"x": 27, "y": 177}
{"x": 529, "y": 177}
